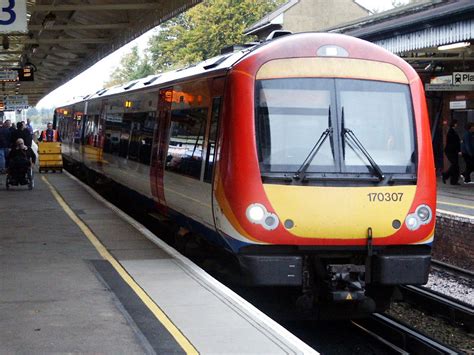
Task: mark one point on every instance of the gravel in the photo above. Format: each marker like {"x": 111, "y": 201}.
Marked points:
{"x": 456, "y": 287}
{"x": 433, "y": 327}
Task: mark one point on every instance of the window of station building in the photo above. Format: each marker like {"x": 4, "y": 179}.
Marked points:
{"x": 211, "y": 145}
{"x": 185, "y": 150}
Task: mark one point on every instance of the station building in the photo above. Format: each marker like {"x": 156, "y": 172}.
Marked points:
{"x": 434, "y": 36}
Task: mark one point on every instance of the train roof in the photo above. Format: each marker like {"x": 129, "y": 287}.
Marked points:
{"x": 214, "y": 64}
{"x": 227, "y": 60}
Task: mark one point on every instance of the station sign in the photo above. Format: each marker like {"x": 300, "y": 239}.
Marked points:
{"x": 463, "y": 78}
{"x": 15, "y": 102}
{"x": 448, "y": 87}
{"x": 114, "y": 117}
{"x": 8, "y": 74}
{"x": 457, "y": 105}
{"x": 13, "y": 16}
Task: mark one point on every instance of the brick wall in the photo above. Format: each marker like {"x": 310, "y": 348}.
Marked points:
{"x": 454, "y": 240}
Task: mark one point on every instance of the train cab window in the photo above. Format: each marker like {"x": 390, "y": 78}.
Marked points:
{"x": 185, "y": 150}
{"x": 211, "y": 145}
{"x": 380, "y": 116}
{"x": 292, "y": 114}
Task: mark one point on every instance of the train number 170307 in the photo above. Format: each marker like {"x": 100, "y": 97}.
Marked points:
{"x": 385, "y": 196}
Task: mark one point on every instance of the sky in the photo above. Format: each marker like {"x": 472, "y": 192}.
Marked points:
{"x": 93, "y": 78}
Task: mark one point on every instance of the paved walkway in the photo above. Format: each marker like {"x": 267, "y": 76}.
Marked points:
{"x": 457, "y": 199}
{"x": 79, "y": 276}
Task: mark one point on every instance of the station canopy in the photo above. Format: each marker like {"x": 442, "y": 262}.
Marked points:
{"x": 65, "y": 38}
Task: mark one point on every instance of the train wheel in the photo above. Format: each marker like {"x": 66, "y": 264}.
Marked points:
{"x": 383, "y": 296}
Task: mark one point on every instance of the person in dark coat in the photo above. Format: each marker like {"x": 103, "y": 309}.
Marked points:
{"x": 467, "y": 149}
{"x": 21, "y": 158}
{"x": 5, "y": 144}
{"x": 23, "y": 133}
{"x": 452, "y": 150}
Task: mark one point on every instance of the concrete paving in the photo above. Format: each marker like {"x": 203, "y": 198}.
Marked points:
{"x": 51, "y": 301}
{"x": 457, "y": 199}
{"x": 57, "y": 294}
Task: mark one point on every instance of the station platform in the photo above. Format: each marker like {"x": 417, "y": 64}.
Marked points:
{"x": 457, "y": 200}
{"x": 80, "y": 276}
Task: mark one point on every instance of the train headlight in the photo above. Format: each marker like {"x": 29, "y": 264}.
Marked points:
{"x": 256, "y": 213}
{"x": 424, "y": 214}
{"x": 412, "y": 222}
{"x": 270, "y": 222}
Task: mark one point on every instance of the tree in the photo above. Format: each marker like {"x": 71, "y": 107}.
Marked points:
{"x": 198, "y": 34}
{"x": 132, "y": 67}
{"x": 204, "y": 30}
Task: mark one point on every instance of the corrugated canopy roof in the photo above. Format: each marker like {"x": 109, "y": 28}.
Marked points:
{"x": 66, "y": 37}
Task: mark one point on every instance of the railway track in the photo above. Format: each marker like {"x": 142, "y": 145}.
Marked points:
{"x": 399, "y": 338}
{"x": 454, "y": 270}
{"x": 436, "y": 303}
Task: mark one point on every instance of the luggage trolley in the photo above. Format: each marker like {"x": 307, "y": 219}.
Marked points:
{"x": 50, "y": 158}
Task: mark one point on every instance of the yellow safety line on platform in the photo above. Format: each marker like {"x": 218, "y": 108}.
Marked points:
{"x": 152, "y": 306}
{"x": 455, "y": 214}
{"x": 456, "y": 204}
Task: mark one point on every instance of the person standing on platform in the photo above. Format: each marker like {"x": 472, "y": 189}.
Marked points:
{"x": 452, "y": 150}
{"x": 467, "y": 149}
{"x": 23, "y": 133}
{"x": 5, "y": 143}
{"x": 50, "y": 134}
{"x": 29, "y": 127}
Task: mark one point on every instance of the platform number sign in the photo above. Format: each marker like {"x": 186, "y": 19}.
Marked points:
{"x": 13, "y": 16}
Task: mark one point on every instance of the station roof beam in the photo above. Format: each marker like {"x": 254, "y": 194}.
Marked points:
{"x": 63, "y": 40}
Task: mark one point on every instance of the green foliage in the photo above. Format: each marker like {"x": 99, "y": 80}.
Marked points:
{"x": 198, "y": 34}
{"x": 203, "y": 31}
{"x": 39, "y": 117}
{"x": 132, "y": 67}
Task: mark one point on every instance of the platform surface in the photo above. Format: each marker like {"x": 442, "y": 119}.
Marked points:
{"x": 456, "y": 199}
{"x": 60, "y": 294}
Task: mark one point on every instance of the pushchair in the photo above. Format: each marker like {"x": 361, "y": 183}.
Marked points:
{"x": 20, "y": 172}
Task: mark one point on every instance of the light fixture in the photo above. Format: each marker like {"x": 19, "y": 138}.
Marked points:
{"x": 258, "y": 214}
{"x": 454, "y": 46}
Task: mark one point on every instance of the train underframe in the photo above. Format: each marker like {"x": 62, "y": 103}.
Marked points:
{"x": 351, "y": 279}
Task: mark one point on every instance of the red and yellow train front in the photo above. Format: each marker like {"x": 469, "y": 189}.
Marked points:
{"x": 325, "y": 147}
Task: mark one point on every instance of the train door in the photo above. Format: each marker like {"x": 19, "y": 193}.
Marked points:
{"x": 160, "y": 147}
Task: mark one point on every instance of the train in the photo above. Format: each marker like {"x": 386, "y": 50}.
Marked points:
{"x": 305, "y": 158}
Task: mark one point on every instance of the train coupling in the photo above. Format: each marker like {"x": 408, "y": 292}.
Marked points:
{"x": 346, "y": 282}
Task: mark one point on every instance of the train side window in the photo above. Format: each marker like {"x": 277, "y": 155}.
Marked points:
{"x": 185, "y": 150}
{"x": 211, "y": 145}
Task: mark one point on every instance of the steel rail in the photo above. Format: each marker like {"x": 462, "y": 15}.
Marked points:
{"x": 400, "y": 337}
{"x": 440, "y": 265}
{"x": 442, "y": 305}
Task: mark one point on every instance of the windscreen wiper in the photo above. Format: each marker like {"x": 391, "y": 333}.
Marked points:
{"x": 299, "y": 174}
{"x": 359, "y": 145}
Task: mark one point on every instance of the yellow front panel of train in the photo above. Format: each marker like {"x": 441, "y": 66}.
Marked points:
{"x": 341, "y": 212}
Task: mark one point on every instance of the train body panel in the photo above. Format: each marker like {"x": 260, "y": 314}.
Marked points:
{"x": 304, "y": 155}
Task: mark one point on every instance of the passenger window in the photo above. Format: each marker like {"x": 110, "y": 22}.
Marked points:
{"x": 185, "y": 150}
{"x": 211, "y": 145}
